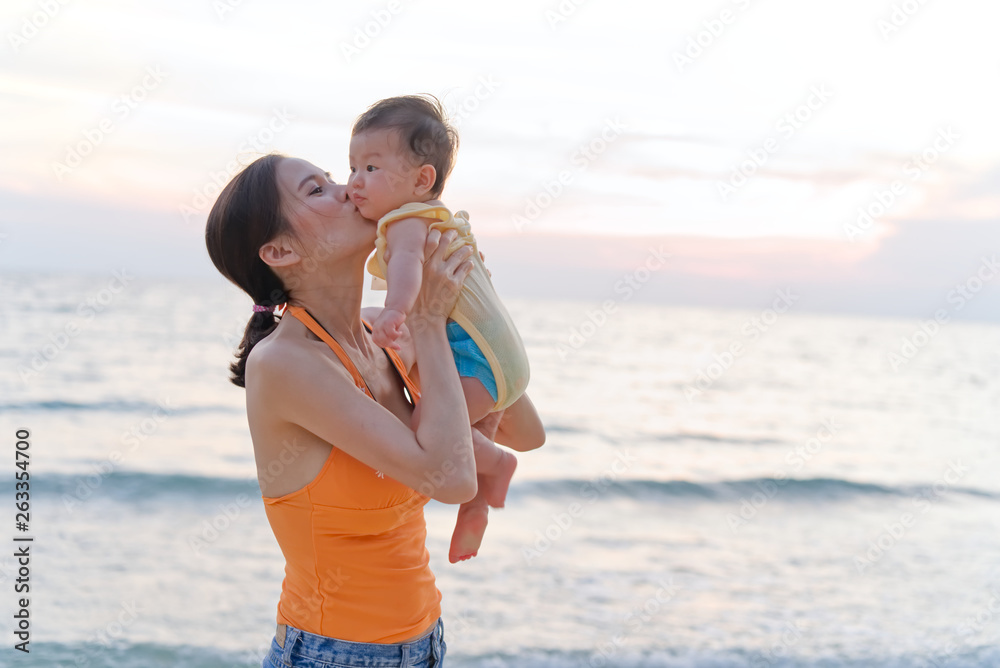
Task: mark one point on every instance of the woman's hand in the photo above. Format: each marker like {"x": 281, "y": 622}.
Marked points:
{"x": 443, "y": 276}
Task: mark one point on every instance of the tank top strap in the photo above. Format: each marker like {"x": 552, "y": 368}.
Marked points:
{"x": 302, "y": 315}
{"x": 394, "y": 357}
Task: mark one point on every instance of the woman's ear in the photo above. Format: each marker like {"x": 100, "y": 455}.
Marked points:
{"x": 426, "y": 176}
{"x": 278, "y": 252}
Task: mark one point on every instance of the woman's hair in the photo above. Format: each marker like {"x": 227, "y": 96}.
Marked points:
{"x": 423, "y": 129}
{"x": 246, "y": 216}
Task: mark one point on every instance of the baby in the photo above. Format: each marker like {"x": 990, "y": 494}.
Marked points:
{"x": 402, "y": 150}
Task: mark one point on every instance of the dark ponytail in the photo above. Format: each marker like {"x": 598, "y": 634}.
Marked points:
{"x": 246, "y": 216}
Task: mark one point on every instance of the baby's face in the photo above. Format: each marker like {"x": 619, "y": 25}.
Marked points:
{"x": 382, "y": 177}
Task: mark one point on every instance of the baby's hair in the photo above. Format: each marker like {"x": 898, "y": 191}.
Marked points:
{"x": 423, "y": 128}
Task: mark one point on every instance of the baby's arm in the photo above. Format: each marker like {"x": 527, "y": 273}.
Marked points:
{"x": 404, "y": 257}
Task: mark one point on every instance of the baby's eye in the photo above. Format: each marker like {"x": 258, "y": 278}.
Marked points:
{"x": 353, "y": 169}
{"x": 371, "y": 168}
{"x": 316, "y": 190}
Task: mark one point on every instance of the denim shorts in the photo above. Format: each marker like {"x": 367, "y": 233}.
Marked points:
{"x": 308, "y": 650}
{"x": 469, "y": 359}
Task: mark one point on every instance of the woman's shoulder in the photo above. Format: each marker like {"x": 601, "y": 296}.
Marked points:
{"x": 284, "y": 356}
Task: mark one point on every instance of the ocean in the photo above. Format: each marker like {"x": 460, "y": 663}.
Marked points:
{"x": 719, "y": 488}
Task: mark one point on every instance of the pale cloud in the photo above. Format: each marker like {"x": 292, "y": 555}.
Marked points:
{"x": 885, "y": 100}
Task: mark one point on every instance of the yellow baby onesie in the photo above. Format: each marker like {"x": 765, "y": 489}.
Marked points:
{"x": 479, "y": 310}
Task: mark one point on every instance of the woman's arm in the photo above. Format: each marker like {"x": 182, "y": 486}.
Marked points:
{"x": 302, "y": 387}
{"x": 520, "y": 427}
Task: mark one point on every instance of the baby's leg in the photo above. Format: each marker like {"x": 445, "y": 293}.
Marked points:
{"x": 470, "y": 527}
{"x": 494, "y": 465}
{"x": 494, "y": 469}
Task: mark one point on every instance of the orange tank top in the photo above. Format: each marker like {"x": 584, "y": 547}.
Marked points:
{"x": 354, "y": 541}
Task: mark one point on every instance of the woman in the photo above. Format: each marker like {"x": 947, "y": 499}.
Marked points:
{"x": 343, "y": 476}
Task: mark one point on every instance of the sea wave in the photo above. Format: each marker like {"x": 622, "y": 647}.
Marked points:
{"x": 704, "y": 437}
{"x": 150, "y": 655}
{"x": 127, "y": 485}
{"x": 727, "y": 490}
{"x": 113, "y": 406}
{"x": 131, "y": 486}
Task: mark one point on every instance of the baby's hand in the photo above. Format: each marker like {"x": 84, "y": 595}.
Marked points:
{"x": 387, "y": 328}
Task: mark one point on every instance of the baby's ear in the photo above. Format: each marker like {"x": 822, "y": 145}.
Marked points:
{"x": 426, "y": 176}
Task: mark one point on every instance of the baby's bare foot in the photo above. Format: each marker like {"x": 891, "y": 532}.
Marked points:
{"x": 469, "y": 529}
{"x": 494, "y": 486}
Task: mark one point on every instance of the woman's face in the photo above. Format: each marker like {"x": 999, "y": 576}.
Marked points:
{"x": 325, "y": 221}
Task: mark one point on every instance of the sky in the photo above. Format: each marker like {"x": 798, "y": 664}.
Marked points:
{"x": 704, "y": 153}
